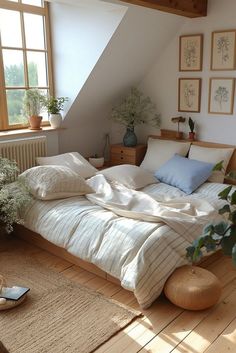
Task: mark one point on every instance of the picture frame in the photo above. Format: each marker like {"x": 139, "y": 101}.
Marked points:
{"x": 190, "y": 52}
{"x": 221, "y": 95}
{"x": 189, "y": 94}
{"x": 223, "y": 50}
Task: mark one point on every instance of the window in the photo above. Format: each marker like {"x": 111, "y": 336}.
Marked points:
{"x": 25, "y": 57}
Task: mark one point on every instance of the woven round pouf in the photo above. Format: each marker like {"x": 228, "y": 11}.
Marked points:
{"x": 193, "y": 288}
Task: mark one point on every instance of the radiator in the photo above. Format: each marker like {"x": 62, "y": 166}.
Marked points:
{"x": 24, "y": 151}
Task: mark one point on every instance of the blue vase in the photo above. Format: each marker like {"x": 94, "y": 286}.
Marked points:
{"x": 130, "y": 139}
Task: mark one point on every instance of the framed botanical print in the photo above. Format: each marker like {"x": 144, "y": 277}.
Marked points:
{"x": 189, "y": 97}
{"x": 221, "y": 95}
{"x": 190, "y": 52}
{"x": 223, "y": 50}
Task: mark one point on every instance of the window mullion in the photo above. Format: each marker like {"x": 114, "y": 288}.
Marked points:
{"x": 24, "y": 49}
{"x": 49, "y": 49}
{"x": 3, "y": 98}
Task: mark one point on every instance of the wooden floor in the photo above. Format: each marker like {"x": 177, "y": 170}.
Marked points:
{"x": 164, "y": 327}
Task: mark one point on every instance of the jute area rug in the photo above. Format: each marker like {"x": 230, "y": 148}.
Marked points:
{"x": 58, "y": 316}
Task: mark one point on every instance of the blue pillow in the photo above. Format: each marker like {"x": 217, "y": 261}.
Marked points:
{"x": 186, "y": 174}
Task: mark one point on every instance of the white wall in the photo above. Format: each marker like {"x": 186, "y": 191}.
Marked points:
{"x": 138, "y": 40}
{"x": 79, "y": 35}
{"x": 161, "y": 82}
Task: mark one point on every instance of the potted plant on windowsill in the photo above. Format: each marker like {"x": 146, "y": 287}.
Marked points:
{"x": 33, "y": 104}
{"x": 54, "y": 106}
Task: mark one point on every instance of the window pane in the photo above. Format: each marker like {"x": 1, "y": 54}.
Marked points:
{"x": 34, "y": 31}
{"x": 37, "y": 69}
{"x": 13, "y": 68}
{"x": 44, "y": 112}
{"x": 33, "y": 2}
{"x": 10, "y": 28}
{"x": 15, "y": 107}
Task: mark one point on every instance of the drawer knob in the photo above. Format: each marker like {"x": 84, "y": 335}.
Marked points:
{"x": 121, "y": 158}
{"x": 121, "y": 151}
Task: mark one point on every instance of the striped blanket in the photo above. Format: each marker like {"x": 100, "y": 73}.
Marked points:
{"x": 141, "y": 253}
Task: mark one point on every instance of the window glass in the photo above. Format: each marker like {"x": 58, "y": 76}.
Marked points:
{"x": 34, "y": 31}
{"x": 37, "y": 69}
{"x": 15, "y": 107}
{"x": 33, "y": 2}
{"x": 10, "y": 28}
{"x": 13, "y": 68}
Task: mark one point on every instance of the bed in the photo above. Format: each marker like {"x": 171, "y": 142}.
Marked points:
{"x": 138, "y": 252}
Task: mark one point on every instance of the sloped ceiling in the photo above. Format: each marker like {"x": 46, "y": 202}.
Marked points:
{"x": 136, "y": 44}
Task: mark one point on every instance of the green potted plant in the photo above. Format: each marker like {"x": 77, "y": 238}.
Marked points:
{"x": 221, "y": 234}
{"x": 191, "y": 124}
{"x": 54, "y": 106}
{"x": 33, "y": 104}
{"x": 135, "y": 109}
{"x": 12, "y": 197}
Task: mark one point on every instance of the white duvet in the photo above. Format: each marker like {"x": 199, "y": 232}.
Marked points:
{"x": 141, "y": 250}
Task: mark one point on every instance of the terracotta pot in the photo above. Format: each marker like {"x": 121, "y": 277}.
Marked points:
{"x": 35, "y": 122}
{"x": 191, "y": 135}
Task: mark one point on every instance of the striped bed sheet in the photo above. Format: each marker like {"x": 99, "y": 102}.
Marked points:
{"x": 142, "y": 255}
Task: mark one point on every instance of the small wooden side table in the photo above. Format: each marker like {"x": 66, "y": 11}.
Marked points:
{"x": 120, "y": 154}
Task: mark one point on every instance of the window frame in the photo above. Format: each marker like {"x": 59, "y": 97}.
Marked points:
{"x": 25, "y": 8}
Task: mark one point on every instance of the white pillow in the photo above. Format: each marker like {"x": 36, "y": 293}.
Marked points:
{"x": 160, "y": 151}
{"x": 212, "y": 155}
{"x": 131, "y": 176}
{"x": 72, "y": 160}
{"x": 54, "y": 182}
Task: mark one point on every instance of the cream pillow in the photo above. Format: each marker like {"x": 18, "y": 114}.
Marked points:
{"x": 212, "y": 155}
{"x": 72, "y": 160}
{"x": 131, "y": 176}
{"x": 54, "y": 182}
{"x": 160, "y": 151}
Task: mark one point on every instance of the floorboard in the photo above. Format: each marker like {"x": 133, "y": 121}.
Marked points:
{"x": 164, "y": 328}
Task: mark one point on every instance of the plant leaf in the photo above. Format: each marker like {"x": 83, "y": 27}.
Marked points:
{"x": 225, "y": 209}
{"x": 228, "y": 244}
{"x": 223, "y": 195}
{"x": 234, "y": 254}
{"x": 231, "y": 175}
{"x": 220, "y": 228}
{"x": 209, "y": 229}
{"x": 218, "y": 166}
{"x": 233, "y": 198}
{"x": 190, "y": 251}
{"x": 232, "y": 217}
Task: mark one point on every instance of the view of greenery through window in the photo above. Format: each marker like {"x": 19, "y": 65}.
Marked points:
{"x": 14, "y": 76}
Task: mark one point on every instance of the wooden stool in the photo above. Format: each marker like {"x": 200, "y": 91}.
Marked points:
{"x": 193, "y": 288}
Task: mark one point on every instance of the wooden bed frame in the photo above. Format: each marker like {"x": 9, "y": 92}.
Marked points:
{"x": 39, "y": 241}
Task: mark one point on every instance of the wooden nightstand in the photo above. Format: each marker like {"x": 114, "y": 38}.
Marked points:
{"x": 127, "y": 155}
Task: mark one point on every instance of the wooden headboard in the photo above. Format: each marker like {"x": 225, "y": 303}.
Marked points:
{"x": 232, "y": 162}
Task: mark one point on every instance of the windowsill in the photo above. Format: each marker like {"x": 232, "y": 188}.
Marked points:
{"x": 22, "y": 132}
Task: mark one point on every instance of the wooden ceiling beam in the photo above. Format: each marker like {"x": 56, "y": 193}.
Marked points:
{"x": 187, "y": 8}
